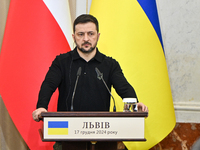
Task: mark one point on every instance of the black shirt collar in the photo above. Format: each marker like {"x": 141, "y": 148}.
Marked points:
{"x": 99, "y": 56}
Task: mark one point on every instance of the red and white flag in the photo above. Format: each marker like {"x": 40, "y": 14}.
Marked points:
{"x": 36, "y": 31}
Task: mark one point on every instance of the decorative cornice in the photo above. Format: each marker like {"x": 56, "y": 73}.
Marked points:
{"x": 187, "y": 106}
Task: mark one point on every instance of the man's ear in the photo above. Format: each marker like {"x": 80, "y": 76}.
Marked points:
{"x": 73, "y": 37}
{"x": 98, "y": 36}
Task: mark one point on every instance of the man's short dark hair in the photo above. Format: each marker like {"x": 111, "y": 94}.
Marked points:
{"x": 85, "y": 18}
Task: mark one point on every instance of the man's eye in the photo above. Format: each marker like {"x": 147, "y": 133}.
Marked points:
{"x": 80, "y": 34}
{"x": 91, "y": 33}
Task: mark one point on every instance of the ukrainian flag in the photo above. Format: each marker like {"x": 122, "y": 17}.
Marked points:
{"x": 57, "y": 127}
{"x": 130, "y": 33}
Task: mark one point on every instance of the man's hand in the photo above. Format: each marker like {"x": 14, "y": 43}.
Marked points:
{"x": 37, "y": 113}
{"x": 142, "y": 107}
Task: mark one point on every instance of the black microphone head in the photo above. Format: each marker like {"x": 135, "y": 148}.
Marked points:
{"x": 99, "y": 74}
{"x": 79, "y": 71}
{"x": 97, "y": 70}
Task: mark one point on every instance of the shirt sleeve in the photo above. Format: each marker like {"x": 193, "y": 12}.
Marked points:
{"x": 120, "y": 83}
{"x": 50, "y": 84}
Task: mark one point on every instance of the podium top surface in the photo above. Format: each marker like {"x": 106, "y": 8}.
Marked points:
{"x": 94, "y": 114}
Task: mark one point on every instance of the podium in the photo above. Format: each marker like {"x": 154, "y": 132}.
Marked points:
{"x": 92, "y": 130}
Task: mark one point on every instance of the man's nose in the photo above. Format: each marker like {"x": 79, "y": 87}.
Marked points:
{"x": 86, "y": 38}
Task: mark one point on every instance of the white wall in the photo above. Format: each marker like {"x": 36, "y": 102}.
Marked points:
{"x": 180, "y": 25}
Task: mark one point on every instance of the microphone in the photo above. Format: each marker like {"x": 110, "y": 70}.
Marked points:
{"x": 100, "y": 77}
{"x": 72, "y": 102}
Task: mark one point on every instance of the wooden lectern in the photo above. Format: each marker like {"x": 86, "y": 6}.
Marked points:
{"x": 92, "y": 130}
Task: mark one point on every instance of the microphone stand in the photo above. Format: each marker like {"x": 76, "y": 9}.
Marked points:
{"x": 78, "y": 74}
{"x": 100, "y": 77}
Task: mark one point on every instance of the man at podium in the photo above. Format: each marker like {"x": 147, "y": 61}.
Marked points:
{"x": 84, "y": 76}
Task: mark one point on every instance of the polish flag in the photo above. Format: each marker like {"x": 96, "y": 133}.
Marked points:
{"x": 36, "y": 31}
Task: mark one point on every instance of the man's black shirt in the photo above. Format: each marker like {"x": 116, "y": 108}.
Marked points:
{"x": 91, "y": 93}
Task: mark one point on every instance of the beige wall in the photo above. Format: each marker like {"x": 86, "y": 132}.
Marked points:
{"x": 4, "y": 5}
{"x": 180, "y": 25}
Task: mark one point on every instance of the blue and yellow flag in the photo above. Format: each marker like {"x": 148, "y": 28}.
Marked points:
{"x": 57, "y": 127}
{"x": 130, "y": 33}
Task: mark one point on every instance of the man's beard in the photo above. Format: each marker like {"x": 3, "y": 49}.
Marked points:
{"x": 86, "y": 51}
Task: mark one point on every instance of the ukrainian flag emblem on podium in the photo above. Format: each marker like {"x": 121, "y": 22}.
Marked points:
{"x": 57, "y": 127}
